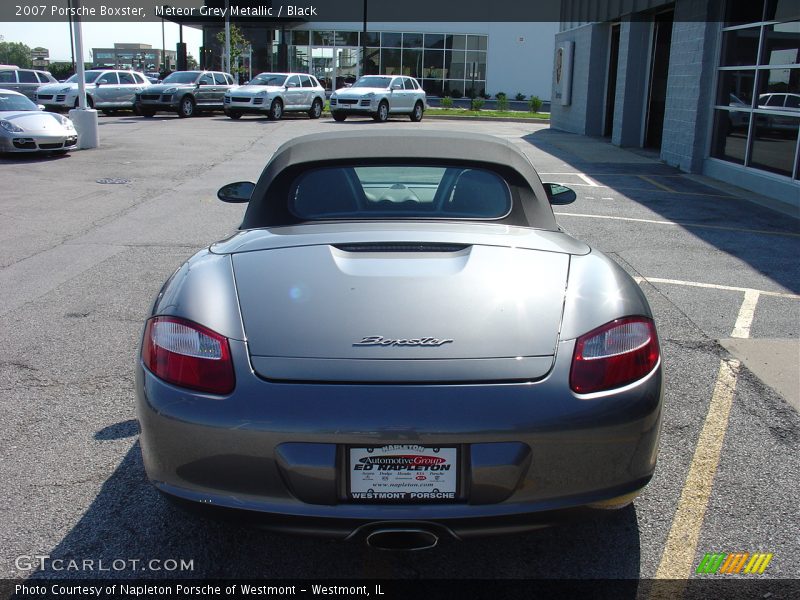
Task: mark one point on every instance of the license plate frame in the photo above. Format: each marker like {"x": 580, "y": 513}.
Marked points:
{"x": 403, "y": 473}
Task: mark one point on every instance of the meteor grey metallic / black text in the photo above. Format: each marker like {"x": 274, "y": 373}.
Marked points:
{"x": 399, "y": 344}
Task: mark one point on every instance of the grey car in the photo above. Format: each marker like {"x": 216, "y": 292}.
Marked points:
{"x": 185, "y": 93}
{"x": 400, "y": 344}
{"x": 24, "y": 81}
{"x": 107, "y": 90}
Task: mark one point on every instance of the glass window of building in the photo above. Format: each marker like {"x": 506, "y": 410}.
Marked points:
{"x": 439, "y": 61}
{"x": 412, "y": 63}
{"x": 412, "y": 40}
{"x": 455, "y": 42}
{"x": 390, "y": 61}
{"x": 346, "y": 38}
{"x": 756, "y": 119}
{"x": 391, "y": 39}
{"x": 322, "y": 38}
{"x": 299, "y": 38}
{"x": 372, "y": 38}
{"x": 434, "y": 41}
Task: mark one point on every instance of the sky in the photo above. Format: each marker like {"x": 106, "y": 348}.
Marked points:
{"x": 55, "y": 36}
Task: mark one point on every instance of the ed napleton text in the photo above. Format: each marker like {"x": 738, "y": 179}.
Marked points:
{"x": 288, "y": 10}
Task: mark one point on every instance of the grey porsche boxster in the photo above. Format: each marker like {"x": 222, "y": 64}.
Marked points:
{"x": 400, "y": 344}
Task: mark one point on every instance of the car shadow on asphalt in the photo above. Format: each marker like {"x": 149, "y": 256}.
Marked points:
{"x": 129, "y": 520}
{"x": 729, "y": 223}
{"x": 24, "y": 158}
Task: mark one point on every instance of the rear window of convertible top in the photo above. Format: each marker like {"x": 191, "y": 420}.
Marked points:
{"x": 399, "y": 191}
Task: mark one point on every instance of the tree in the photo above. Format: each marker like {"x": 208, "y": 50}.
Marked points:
{"x": 15, "y": 53}
{"x": 191, "y": 62}
{"x": 60, "y": 70}
{"x": 63, "y": 70}
{"x": 239, "y": 45}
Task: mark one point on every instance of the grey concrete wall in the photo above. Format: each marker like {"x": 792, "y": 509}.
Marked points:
{"x": 585, "y": 113}
{"x": 632, "y": 73}
{"x": 690, "y": 83}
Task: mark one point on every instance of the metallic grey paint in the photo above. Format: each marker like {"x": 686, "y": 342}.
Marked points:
{"x": 293, "y": 305}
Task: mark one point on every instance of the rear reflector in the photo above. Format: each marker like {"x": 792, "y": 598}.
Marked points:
{"x": 616, "y": 354}
{"x": 188, "y": 355}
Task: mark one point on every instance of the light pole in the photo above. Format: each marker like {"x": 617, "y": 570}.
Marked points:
{"x": 226, "y": 59}
{"x": 364, "y": 43}
{"x": 85, "y": 120}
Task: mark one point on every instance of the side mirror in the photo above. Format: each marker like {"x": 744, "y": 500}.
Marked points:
{"x": 40, "y": 106}
{"x": 291, "y": 85}
{"x": 236, "y": 193}
{"x": 397, "y": 86}
{"x": 558, "y": 194}
{"x": 98, "y": 83}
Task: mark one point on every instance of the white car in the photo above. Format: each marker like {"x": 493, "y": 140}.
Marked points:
{"x": 275, "y": 93}
{"x": 379, "y": 96}
{"x": 25, "y": 128}
{"x": 106, "y": 90}
{"x": 785, "y": 105}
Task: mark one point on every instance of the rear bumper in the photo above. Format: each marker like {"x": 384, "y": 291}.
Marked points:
{"x": 531, "y": 453}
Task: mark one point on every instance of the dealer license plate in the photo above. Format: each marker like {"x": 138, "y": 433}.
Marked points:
{"x": 403, "y": 473}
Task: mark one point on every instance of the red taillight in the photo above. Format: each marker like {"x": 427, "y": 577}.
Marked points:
{"x": 614, "y": 355}
{"x": 188, "y": 355}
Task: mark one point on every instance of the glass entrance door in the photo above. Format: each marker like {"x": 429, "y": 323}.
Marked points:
{"x": 348, "y": 65}
{"x": 335, "y": 67}
{"x": 322, "y": 67}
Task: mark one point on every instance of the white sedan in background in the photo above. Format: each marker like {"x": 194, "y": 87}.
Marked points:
{"x": 26, "y": 128}
{"x": 379, "y": 96}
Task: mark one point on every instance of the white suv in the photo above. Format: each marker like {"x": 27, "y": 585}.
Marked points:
{"x": 275, "y": 93}
{"x": 379, "y": 96}
{"x": 106, "y": 90}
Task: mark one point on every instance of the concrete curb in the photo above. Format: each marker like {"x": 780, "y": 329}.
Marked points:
{"x": 478, "y": 118}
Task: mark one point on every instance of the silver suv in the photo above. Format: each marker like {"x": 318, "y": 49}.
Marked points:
{"x": 275, "y": 93}
{"x": 379, "y": 96}
{"x": 24, "y": 81}
{"x": 106, "y": 90}
{"x": 185, "y": 92}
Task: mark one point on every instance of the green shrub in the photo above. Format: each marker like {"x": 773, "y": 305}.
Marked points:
{"x": 476, "y": 104}
{"x": 446, "y": 102}
{"x": 502, "y": 102}
{"x": 534, "y": 104}
{"x": 499, "y": 95}
{"x": 520, "y": 96}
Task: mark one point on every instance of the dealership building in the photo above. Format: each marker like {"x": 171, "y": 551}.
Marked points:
{"x": 713, "y": 86}
{"x": 448, "y": 59}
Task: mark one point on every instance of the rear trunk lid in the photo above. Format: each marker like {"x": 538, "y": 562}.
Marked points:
{"x": 422, "y": 311}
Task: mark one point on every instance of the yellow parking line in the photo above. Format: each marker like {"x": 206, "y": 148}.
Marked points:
{"x": 677, "y": 561}
{"x": 655, "y": 183}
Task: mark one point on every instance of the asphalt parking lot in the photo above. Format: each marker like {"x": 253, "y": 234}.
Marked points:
{"x": 88, "y": 238}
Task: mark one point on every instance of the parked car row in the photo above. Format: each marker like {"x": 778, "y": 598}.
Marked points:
{"x": 270, "y": 94}
{"x": 24, "y": 81}
{"x": 187, "y": 93}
